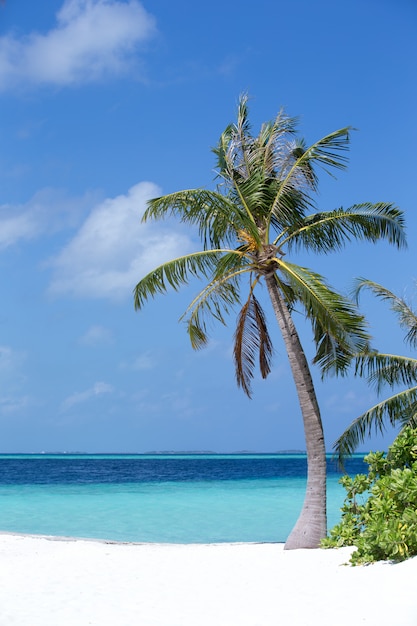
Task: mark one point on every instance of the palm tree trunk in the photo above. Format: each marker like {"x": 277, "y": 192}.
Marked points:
{"x": 311, "y": 525}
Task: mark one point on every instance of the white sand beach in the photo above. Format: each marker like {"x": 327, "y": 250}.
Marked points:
{"x": 64, "y": 582}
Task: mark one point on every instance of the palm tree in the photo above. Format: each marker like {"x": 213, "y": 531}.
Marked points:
{"x": 262, "y": 209}
{"x": 381, "y": 370}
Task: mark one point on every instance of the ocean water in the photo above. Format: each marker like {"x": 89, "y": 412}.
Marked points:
{"x": 160, "y": 498}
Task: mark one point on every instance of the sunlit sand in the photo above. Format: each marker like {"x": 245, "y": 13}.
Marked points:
{"x": 46, "y": 581}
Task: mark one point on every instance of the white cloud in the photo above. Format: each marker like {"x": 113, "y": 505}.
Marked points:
{"x": 144, "y": 362}
{"x": 181, "y": 405}
{"x": 80, "y": 397}
{"x": 10, "y": 361}
{"x": 92, "y": 39}
{"x": 11, "y": 378}
{"x": 113, "y": 250}
{"x": 47, "y": 212}
{"x": 14, "y": 227}
{"x": 96, "y": 335}
{"x": 347, "y": 402}
{"x": 9, "y": 404}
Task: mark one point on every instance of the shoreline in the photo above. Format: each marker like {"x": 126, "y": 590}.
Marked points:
{"x": 116, "y": 542}
{"x": 47, "y": 580}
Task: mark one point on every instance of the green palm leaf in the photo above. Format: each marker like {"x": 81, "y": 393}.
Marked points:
{"x": 407, "y": 317}
{"x": 381, "y": 369}
{"x": 297, "y": 170}
{"x": 400, "y": 409}
{"x": 217, "y": 217}
{"x": 328, "y": 152}
{"x": 214, "y": 302}
{"x": 339, "y": 330}
{"x": 241, "y": 154}
{"x": 384, "y": 369}
{"x": 271, "y": 140}
{"x": 174, "y": 274}
{"x": 325, "y": 232}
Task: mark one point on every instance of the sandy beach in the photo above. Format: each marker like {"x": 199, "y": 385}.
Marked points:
{"x": 64, "y": 582}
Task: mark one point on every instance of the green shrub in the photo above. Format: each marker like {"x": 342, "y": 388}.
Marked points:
{"x": 379, "y": 514}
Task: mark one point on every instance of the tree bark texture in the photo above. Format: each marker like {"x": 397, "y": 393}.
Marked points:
{"x": 311, "y": 525}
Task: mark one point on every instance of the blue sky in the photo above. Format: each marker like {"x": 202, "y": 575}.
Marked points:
{"x": 107, "y": 103}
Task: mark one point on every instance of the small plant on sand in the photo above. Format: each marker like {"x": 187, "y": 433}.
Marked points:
{"x": 379, "y": 515}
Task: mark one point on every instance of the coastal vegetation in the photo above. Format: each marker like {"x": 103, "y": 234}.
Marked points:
{"x": 379, "y": 514}
{"x": 261, "y": 213}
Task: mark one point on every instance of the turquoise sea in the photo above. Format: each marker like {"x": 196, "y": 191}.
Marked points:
{"x": 189, "y": 498}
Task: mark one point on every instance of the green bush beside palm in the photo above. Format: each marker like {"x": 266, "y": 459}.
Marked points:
{"x": 379, "y": 514}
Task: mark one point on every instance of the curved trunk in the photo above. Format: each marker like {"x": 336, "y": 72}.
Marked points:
{"x": 311, "y": 525}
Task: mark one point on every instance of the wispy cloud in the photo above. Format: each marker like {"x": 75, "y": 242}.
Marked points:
{"x": 49, "y": 211}
{"x": 10, "y": 361}
{"x": 80, "y": 397}
{"x": 179, "y": 404}
{"x": 92, "y": 39}
{"x": 10, "y": 405}
{"x": 96, "y": 335}
{"x": 22, "y": 225}
{"x": 12, "y": 400}
{"x": 141, "y": 362}
{"x": 113, "y": 249}
{"x": 348, "y": 402}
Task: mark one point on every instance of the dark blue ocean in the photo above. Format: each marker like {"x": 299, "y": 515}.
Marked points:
{"x": 161, "y": 498}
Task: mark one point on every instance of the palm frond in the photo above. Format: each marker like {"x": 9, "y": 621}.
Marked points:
{"x": 399, "y": 409}
{"x": 174, "y": 274}
{"x": 383, "y": 369}
{"x": 255, "y": 195}
{"x": 216, "y": 300}
{"x": 221, "y": 152}
{"x": 239, "y": 152}
{"x": 251, "y": 339}
{"x": 217, "y": 217}
{"x": 407, "y": 317}
{"x": 297, "y": 176}
{"x": 328, "y": 152}
{"x": 242, "y": 139}
{"x": 291, "y": 213}
{"x": 233, "y": 148}
{"x": 386, "y": 369}
{"x": 331, "y": 230}
{"x": 231, "y": 262}
{"x": 339, "y": 330}
{"x": 296, "y": 169}
{"x": 304, "y": 172}
{"x": 250, "y": 166}
{"x": 272, "y": 143}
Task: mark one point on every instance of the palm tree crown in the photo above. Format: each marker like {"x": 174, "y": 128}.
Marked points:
{"x": 261, "y": 212}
